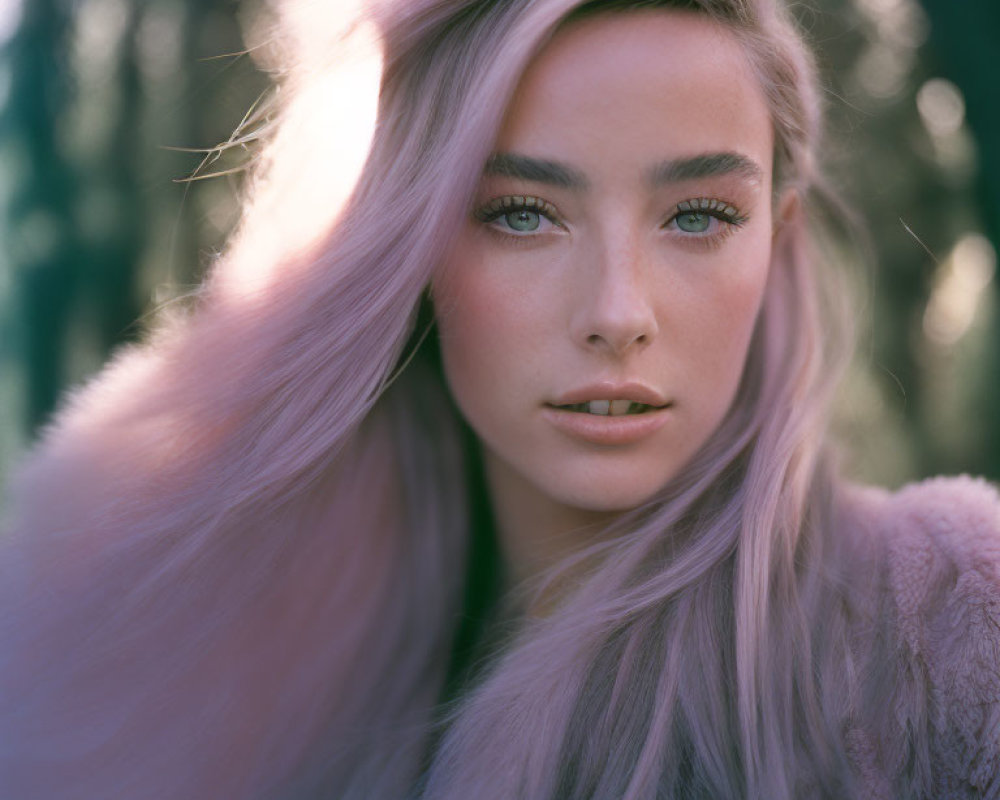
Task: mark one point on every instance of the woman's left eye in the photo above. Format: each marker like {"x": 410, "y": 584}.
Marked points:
{"x": 703, "y": 217}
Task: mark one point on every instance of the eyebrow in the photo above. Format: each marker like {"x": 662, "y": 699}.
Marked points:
{"x": 554, "y": 173}
{"x": 514, "y": 165}
{"x": 707, "y": 165}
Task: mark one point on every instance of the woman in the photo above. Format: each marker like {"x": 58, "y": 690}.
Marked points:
{"x": 248, "y": 561}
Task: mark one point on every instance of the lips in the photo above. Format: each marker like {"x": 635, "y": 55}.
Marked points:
{"x": 608, "y": 413}
{"x": 611, "y": 399}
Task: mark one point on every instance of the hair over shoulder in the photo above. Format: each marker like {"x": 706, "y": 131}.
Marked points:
{"x": 234, "y": 564}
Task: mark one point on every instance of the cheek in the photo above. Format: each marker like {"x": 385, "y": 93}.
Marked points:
{"x": 721, "y": 324}
{"x": 737, "y": 310}
{"x": 723, "y": 309}
{"x": 741, "y": 303}
{"x": 484, "y": 326}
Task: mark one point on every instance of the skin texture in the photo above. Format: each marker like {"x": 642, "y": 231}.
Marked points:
{"x": 608, "y": 287}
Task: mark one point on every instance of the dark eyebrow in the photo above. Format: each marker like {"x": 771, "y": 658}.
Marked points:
{"x": 513, "y": 165}
{"x": 704, "y": 166}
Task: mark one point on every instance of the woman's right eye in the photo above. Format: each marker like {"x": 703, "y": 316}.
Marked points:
{"x": 519, "y": 215}
{"x": 523, "y": 221}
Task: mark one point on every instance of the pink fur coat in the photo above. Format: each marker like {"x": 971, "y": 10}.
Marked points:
{"x": 923, "y": 591}
{"x": 927, "y": 723}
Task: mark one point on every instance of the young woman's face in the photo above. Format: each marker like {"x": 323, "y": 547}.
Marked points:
{"x": 596, "y": 311}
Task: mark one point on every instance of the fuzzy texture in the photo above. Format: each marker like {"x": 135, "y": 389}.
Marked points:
{"x": 929, "y": 634}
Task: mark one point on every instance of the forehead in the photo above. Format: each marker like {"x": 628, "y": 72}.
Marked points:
{"x": 674, "y": 82}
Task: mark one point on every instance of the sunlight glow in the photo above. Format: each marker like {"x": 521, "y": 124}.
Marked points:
{"x": 326, "y": 131}
{"x": 10, "y": 18}
{"x": 941, "y": 107}
{"x": 959, "y": 284}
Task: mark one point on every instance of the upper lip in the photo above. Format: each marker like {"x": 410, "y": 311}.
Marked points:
{"x": 634, "y": 391}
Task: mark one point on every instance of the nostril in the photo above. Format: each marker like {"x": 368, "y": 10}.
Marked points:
{"x": 617, "y": 342}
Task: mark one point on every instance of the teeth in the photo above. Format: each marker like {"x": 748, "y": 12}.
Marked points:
{"x": 620, "y": 407}
{"x": 600, "y": 407}
{"x": 608, "y": 408}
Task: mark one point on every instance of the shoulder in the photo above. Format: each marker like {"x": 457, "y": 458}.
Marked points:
{"x": 946, "y": 521}
{"x": 942, "y": 534}
{"x": 942, "y": 540}
{"x": 941, "y": 577}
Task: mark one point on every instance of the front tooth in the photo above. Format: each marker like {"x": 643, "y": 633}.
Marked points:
{"x": 620, "y": 407}
{"x": 600, "y": 407}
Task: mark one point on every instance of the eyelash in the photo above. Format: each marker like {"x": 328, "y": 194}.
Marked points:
{"x": 712, "y": 207}
{"x": 509, "y": 204}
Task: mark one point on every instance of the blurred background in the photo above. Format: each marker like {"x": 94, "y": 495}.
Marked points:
{"x": 103, "y": 101}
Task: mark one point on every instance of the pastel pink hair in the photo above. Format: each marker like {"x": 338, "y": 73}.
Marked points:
{"x": 233, "y": 567}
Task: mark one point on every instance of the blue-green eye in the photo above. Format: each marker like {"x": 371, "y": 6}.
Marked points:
{"x": 703, "y": 217}
{"x": 519, "y": 215}
{"x": 523, "y": 220}
{"x": 693, "y": 222}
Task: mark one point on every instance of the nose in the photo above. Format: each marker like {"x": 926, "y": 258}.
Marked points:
{"x": 614, "y": 311}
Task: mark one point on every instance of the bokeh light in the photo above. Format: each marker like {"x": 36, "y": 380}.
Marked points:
{"x": 941, "y": 106}
{"x": 959, "y": 284}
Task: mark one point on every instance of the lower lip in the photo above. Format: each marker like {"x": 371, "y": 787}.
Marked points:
{"x": 605, "y": 429}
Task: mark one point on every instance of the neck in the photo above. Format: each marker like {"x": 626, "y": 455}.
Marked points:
{"x": 535, "y": 531}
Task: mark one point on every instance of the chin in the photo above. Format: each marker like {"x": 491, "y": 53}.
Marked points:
{"x": 607, "y": 496}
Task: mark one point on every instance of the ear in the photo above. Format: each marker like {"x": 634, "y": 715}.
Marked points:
{"x": 787, "y": 209}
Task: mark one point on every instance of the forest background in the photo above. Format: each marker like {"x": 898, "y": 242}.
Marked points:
{"x": 103, "y": 104}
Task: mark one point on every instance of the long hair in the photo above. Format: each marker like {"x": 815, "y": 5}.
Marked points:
{"x": 233, "y": 567}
